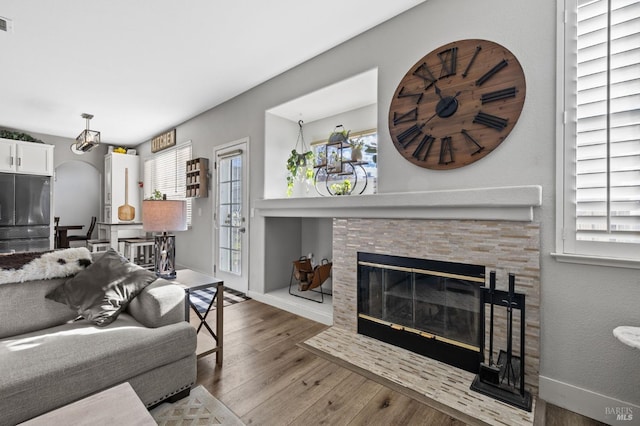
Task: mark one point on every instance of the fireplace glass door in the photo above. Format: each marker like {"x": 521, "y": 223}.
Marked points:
{"x": 448, "y": 307}
{"x": 421, "y": 301}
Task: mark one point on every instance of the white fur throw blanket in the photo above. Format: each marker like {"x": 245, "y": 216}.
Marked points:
{"x": 21, "y": 267}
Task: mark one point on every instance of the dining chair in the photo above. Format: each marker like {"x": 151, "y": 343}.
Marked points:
{"x": 88, "y": 234}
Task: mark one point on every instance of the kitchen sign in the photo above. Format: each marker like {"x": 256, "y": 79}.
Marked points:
{"x": 163, "y": 141}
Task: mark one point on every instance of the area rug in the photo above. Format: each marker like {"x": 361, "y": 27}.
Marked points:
{"x": 199, "y": 408}
{"x": 202, "y": 298}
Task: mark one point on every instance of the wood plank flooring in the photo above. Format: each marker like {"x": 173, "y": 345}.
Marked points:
{"x": 266, "y": 379}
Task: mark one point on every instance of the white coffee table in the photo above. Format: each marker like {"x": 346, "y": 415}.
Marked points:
{"x": 118, "y": 405}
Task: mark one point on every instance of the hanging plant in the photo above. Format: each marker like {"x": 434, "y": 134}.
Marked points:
{"x": 299, "y": 163}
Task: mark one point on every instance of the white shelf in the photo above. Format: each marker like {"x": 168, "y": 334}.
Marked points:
{"x": 514, "y": 203}
{"x": 280, "y": 298}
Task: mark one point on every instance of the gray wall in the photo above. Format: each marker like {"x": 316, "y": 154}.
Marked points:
{"x": 580, "y": 304}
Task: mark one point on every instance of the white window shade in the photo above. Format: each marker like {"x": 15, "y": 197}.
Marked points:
{"x": 166, "y": 172}
{"x": 607, "y": 187}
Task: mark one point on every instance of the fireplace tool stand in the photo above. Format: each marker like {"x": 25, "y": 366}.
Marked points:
{"x": 504, "y": 380}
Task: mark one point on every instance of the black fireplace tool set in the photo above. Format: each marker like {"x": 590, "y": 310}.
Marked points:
{"x": 504, "y": 379}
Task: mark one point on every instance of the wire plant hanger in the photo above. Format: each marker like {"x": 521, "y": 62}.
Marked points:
{"x": 299, "y": 163}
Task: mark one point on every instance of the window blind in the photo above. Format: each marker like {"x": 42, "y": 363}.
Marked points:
{"x": 607, "y": 165}
{"x": 166, "y": 172}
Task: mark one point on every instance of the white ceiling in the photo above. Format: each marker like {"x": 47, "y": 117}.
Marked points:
{"x": 144, "y": 66}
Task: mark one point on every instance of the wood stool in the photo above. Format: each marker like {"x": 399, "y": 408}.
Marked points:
{"x": 140, "y": 251}
{"x": 95, "y": 246}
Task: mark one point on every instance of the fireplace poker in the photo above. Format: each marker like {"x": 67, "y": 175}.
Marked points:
{"x": 490, "y": 372}
{"x": 508, "y": 370}
{"x": 492, "y": 288}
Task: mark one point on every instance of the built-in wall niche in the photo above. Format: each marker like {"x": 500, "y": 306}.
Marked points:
{"x": 351, "y": 102}
{"x": 288, "y": 238}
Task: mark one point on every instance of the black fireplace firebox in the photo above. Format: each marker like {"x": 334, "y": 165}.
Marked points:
{"x": 433, "y": 308}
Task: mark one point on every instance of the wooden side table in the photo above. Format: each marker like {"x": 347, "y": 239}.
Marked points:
{"x": 191, "y": 281}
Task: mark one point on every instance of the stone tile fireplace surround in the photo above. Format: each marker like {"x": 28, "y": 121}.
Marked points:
{"x": 503, "y": 246}
{"x": 494, "y": 227}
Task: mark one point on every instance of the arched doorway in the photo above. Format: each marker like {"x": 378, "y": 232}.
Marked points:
{"x": 76, "y": 193}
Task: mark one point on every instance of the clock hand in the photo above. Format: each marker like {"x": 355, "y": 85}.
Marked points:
{"x": 438, "y": 92}
{"x": 431, "y": 118}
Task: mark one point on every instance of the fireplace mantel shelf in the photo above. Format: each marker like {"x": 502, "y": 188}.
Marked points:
{"x": 513, "y": 203}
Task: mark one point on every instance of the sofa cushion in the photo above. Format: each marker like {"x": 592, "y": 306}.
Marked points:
{"x": 24, "y": 308}
{"x": 56, "y": 366}
{"x": 160, "y": 303}
{"x": 103, "y": 290}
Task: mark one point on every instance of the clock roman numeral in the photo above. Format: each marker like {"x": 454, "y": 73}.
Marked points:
{"x": 448, "y": 59}
{"x": 489, "y": 120}
{"x": 446, "y": 150}
{"x": 491, "y": 72}
{"x": 427, "y": 141}
{"x": 473, "y": 58}
{"x": 409, "y": 135}
{"x": 402, "y": 94}
{"x": 423, "y": 72}
{"x": 405, "y": 117}
{"x": 498, "y": 94}
{"x": 470, "y": 138}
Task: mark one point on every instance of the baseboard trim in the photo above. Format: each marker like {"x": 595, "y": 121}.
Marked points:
{"x": 588, "y": 403}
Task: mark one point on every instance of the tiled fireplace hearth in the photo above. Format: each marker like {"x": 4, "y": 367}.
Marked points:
{"x": 503, "y": 246}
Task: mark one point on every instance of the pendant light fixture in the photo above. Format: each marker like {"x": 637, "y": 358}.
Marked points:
{"x": 87, "y": 139}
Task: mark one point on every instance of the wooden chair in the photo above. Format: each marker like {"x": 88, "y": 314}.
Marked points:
{"x": 89, "y": 232}
{"x": 309, "y": 277}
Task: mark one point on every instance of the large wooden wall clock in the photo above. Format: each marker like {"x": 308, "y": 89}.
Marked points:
{"x": 457, "y": 104}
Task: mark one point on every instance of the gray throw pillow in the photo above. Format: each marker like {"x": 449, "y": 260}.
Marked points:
{"x": 103, "y": 290}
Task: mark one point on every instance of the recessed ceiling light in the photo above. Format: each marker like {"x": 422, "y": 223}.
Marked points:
{"x": 6, "y": 25}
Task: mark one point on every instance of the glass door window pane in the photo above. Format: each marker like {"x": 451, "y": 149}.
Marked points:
{"x": 230, "y": 214}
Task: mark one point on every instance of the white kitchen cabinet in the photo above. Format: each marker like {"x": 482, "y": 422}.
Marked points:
{"x": 121, "y": 196}
{"x": 26, "y": 157}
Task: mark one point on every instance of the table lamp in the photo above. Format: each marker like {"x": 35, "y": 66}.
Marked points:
{"x": 164, "y": 216}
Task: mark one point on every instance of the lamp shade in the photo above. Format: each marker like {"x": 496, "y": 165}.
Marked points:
{"x": 164, "y": 215}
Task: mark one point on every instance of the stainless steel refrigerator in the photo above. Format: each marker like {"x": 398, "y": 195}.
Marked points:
{"x": 25, "y": 212}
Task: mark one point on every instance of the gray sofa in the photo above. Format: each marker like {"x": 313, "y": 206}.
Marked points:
{"x": 47, "y": 361}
